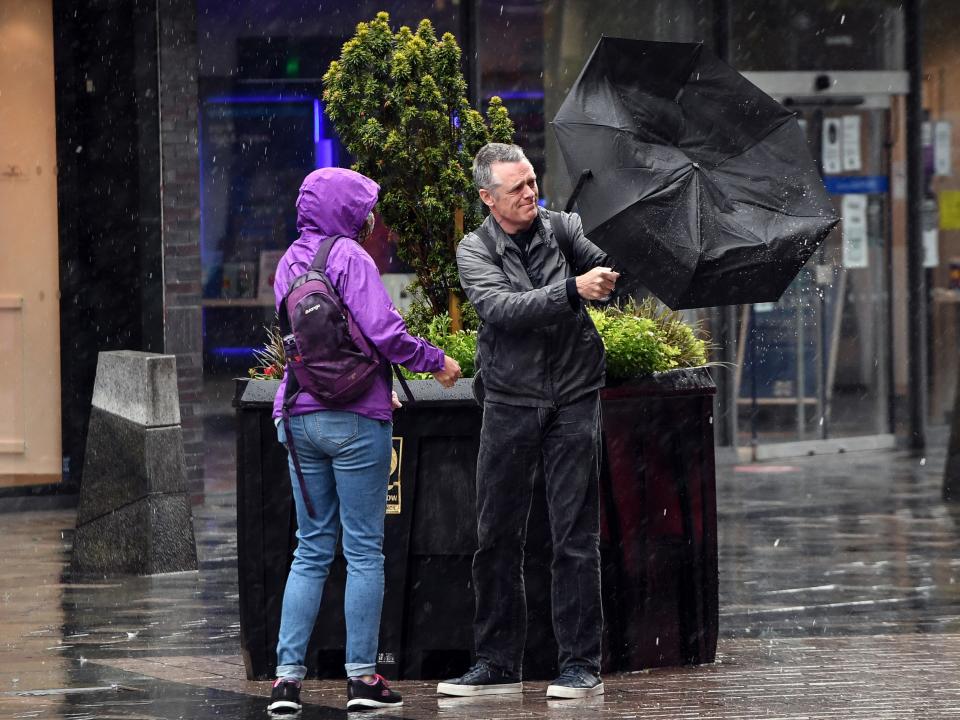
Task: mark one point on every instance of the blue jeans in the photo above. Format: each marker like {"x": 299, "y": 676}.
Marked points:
{"x": 345, "y": 460}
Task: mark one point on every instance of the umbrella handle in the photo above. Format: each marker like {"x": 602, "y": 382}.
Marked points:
{"x": 584, "y": 176}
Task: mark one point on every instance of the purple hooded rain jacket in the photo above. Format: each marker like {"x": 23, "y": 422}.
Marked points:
{"x": 336, "y": 201}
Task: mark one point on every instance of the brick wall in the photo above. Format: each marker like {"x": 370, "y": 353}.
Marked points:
{"x": 180, "y": 213}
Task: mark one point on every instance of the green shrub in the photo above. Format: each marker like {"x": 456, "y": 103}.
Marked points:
{"x": 419, "y": 315}
{"x": 461, "y": 346}
{"x": 632, "y": 343}
{"x": 674, "y": 331}
{"x": 640, "y": 339}
{"x": 645, "y": 338}
{"x": 398, "y": 102}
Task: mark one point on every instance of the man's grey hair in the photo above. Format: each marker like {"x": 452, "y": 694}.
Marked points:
{"x": 489, "y": 154}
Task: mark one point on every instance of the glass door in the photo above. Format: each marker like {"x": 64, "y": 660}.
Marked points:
{"x": 816, "y": 366}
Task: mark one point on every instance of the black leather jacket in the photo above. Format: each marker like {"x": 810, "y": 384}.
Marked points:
{"x": 534, "y": 348}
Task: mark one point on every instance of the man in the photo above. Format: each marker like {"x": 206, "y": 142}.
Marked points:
{"x": 528, "y": 272}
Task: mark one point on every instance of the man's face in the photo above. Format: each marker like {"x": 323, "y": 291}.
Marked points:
{"x": 513, "y": 201}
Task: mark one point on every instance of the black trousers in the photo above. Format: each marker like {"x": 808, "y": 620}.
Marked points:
{"x": 513, "y": 441}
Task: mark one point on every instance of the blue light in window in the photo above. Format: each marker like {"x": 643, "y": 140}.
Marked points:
{"x": 517, "y": 95}
{"x": 228, "y": 351}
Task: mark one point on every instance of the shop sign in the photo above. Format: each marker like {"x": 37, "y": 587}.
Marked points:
{"x": 394, "y": 494}
{"x": 949, "y": 209}
{"x": 832, "y": 162}
{"x": 931, "y": 236}
{"x": 941, "y": 148}
{"x": 857, "y": 184}
{"x": 855, "y": 250}
{"x": 852, "y": 159}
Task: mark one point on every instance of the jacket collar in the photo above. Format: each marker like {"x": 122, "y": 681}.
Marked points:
{"x": 545, "y": 230}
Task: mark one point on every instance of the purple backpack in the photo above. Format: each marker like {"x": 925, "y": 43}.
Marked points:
{"x": 327, "y": 355}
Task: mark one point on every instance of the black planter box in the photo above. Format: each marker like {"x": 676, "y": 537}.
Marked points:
{"x": 658, "y": 535}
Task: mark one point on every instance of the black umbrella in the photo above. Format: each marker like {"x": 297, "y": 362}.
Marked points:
{"x": 702, "y": 186}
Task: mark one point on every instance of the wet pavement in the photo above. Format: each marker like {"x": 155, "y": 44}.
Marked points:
{"x": 839, "y": 598}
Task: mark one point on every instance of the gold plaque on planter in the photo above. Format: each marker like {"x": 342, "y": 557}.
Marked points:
{"x": 393, "y": 485}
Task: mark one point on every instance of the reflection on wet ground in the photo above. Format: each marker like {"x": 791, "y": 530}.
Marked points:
{"x": 838, "y": 545}
{"x": 839, "y": 598}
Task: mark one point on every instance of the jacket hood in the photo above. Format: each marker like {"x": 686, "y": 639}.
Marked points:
{"x": 335, "y": 201}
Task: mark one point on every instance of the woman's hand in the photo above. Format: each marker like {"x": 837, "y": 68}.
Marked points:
{"x": 450, "y": 373}
{"x": 395, "y": 400}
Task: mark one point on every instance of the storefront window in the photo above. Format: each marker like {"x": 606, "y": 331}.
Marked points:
{"x": 262, "y": 129}
{"x": 786, "y": 35}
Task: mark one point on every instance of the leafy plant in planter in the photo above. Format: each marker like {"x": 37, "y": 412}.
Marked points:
{"x": 461, "y": 345}
{"x": 644, "y": 338}
{"x": 641, "y": 338}
{"x": 398, "y": 103}
{"x": 271, "y": 359}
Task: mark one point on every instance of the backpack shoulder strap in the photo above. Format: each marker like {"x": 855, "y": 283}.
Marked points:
{"x": 562, "y": 235}
{"x": 490, "y": 243}
{"x": 323, "y": 252}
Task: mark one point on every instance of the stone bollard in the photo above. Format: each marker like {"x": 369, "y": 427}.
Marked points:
{"x": 134, "y": 516}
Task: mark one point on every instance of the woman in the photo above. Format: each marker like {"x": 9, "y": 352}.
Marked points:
{"x": 344, "y": 451}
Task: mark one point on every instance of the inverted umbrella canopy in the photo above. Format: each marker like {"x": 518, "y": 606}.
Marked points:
{"x": 702, "y": 186}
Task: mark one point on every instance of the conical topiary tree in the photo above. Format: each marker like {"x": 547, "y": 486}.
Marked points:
{"x": 398, "y": 103}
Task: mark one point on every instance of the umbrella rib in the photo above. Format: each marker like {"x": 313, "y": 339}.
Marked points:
{"x": 764, "y": 206}
{"x": 754, "y": 143}
{"x": 650, "y": 194}
{"x": 714, "y": 168}
{"x": 776, "y": 210}
{"x": 633, "y": 204}
{"x": 570, "y": 123}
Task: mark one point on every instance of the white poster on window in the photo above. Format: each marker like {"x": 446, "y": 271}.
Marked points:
{"x": 898, "y": 180}
{"x": 850, "y": 142}
{"x": 269, "y": 259}
{"x": 855, "y": 251}
{"x": 832, "y": 162}
{"x": 931, "y": 248}
{"x": 931, "y": 234}
{"x": 941, "y": 148}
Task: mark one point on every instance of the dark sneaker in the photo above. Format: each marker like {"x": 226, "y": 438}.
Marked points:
{"x": 575, "y": 682}
{"x": 482, "y": 679}
{"x": 285, "y": 698}
{"x": 361, "y": 694}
